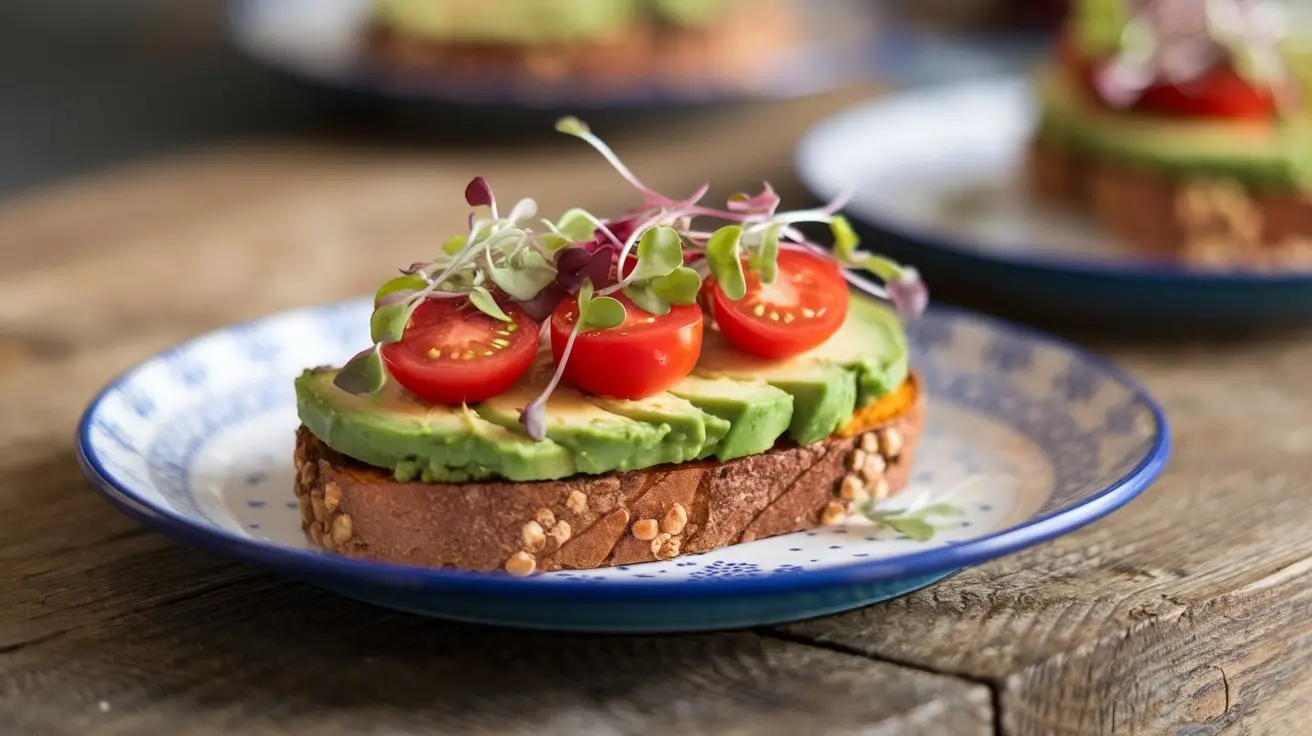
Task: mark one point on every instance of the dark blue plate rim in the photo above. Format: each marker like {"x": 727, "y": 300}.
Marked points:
{"x": 1032, "y": 259}
{"x": 311, "y": 565}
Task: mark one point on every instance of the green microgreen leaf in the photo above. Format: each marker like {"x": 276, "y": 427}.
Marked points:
{"x": 845, "y": 238}
{"x": 645, "y": 296}
{"x": 679, "y": 286}
{"x": 388, "y": 323}
{"x": 765, "y": 259}
{"x": 723, "y": 252}
{"x": 602, "y": 313}
{"x": 482, "y": 299}
{"x": 571, "y": 125}
{"x": 574, "y": 226}
{"x": 524, "y": 277}
{"x": 660, "y": 251}
{"x": 916, "y": 528}
{"x": 455, "y": 244}
{"x": 414, "y": 282}
{"x": 363, "y": 374}
{"x": 940, "y": 509}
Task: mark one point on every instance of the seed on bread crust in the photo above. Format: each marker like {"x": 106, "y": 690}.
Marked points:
{"x": 879, "y": 490}
{"x": 577, "y": 502}
{"x": 645, "y": 529}
{"x": 332, "y": 495}
{"x": 833, "y": 514}
{"x": 532, "y": 536}
{"x": 320, "y": 510}
{"x": 545, "y": 518}
{"x": 890, "y": 443}
{"x": 665, "y": 546}
{"x": 343, "y": 529}
{"x": 872, "y": 473}
{"x": 852, "y": 489}
{"x": 521, "y": 564}
{"x": 856, "y": 460}
{"x": 870, "y": 442}
{"x": 675, "y": 519}
{"x": 561, "y": 532}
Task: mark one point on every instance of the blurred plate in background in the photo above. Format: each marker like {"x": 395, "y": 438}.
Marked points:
{"x": 936, "y": 175}
{"x": 842, "y": 42}
{"x": 323, "y": 42}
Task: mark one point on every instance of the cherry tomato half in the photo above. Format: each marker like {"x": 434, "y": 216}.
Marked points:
{"x": 805, "y": 306}
{"x": 645, "y": 355}
{"x": 451, "y": 353}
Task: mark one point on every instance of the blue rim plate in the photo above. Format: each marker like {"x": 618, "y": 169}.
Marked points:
{"x": 317, "y": 41}
{"x": 946, "y": 196}
{"x": 1030, "y": 437}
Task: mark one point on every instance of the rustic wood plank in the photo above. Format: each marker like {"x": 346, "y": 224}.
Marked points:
{"x": 1127, "y": 625}
{"x": 265, "y": 656}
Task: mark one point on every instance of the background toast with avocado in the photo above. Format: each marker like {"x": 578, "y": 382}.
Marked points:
{"x": 1183, "y": 128}
{"x": 602, "y": 392}
{"x": 597, "y": 40}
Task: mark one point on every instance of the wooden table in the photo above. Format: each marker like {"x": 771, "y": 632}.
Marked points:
{"x": 1189, "y": 611}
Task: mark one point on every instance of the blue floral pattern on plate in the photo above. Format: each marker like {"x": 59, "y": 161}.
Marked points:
{"x": 1029, "y": 437}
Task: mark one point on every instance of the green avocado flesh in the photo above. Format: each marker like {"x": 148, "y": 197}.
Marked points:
{"x": 732, "y": 406}
{"x": 1264, "y": 158}
{"x": 523, "y": 21}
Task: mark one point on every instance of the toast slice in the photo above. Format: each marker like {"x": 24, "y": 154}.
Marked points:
{"x": 586, "y": 522}
{"x": 1206, "y": 223}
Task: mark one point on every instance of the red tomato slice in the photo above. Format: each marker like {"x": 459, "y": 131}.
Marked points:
{"x": 1222, "y": 93}
{"x": 645, "y": 355}
{"x": 451, "y": 353}
{"x": 805, "y": 306}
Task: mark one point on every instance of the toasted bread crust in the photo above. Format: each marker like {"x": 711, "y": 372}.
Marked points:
{"x": 1200, "y": 222}
{"x": 586, "y": 522}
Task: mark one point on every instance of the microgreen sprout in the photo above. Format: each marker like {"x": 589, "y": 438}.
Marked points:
{"x": 915, "y": 523}
{"x": 652, "y": 255}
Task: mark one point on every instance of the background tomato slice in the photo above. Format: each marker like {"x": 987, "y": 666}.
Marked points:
{"x": 1221, "y": 93}
{"x": 451, "y": 353}
{"x": 646, "y": 355}
{"x": 805, "y": 306}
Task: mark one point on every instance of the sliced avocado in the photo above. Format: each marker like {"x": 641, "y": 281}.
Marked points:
{"x": 870, "y": 346}
{"x": 758, "y": 413}
{"x": 507, "y": 21}
{"x": 433, "y": 443}
{"x": 824, "y": 398}
{"x": 600, "y": 440}
{"x": 1270, "y": 158}
{"x": 691, "y": 430}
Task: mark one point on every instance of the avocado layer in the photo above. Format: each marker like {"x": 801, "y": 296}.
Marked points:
{"x": 533, "y": 21}
{"x": 1261, "y": 157}
{"x": 734, "y": 405}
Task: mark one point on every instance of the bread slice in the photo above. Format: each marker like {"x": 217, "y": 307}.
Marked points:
{"x": 585, "y": 522}
{"x": 1199, "y": 222}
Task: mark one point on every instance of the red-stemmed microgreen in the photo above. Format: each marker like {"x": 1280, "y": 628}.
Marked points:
{"x": 595, "y": 313}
